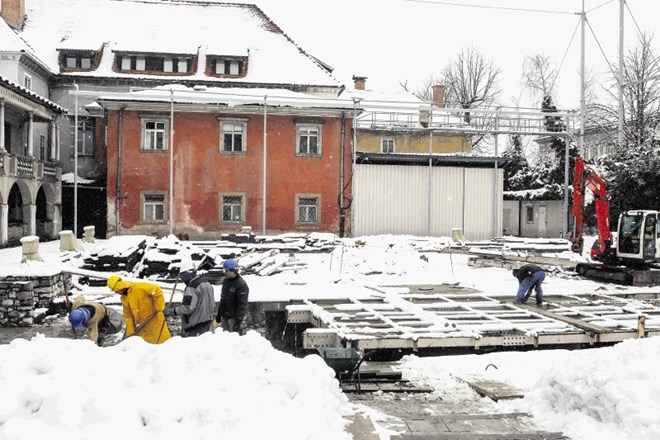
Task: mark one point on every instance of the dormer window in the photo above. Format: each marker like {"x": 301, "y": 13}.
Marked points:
{"x": 155, "y": 64}
{"x": 77, "y": 60}
{"x": 226, "y": 66}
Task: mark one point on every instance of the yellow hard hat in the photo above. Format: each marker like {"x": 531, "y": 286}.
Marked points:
{"x": 113, "y": 280}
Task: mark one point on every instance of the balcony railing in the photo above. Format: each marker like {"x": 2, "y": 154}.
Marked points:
{"x": 28, "y": 167}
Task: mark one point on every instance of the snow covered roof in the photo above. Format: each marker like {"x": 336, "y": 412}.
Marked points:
{"x": 31, "y": 95}
{"x": 231, "y": 97}
{"x": 196, "y": 29}
{"x": 446, "y": 160}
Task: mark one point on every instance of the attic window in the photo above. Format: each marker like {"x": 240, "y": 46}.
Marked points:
{"x": 77, "y": 61}
{"x": 227, "y": 66}
{"x": 155, "y": 64}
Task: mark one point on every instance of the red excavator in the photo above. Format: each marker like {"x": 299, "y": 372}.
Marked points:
{"x": 627, "y": 258}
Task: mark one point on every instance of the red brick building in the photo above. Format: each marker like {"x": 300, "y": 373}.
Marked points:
{"x": 216, "y": 182}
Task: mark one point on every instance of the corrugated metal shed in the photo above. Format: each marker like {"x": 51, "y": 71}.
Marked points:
{"x": 401, "y": 194}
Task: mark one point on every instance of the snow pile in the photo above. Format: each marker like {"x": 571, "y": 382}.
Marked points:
{"x": 609, "y": 393}
{"x": 213, "y": 386}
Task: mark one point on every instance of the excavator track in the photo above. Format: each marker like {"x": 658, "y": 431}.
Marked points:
{"x": 618, "y": 274}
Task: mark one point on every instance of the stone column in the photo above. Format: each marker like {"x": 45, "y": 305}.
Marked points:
{"x": 30, "y": 248}
{"x": 4, "y": 224}
{"x": 30, "y": 135}
{"x": 3, "y": 147}
{"x": 32, "y": 219}
{"x": 53, "y": 144}
{"x": 89, "y": 233}
{"x": 68, "y": 241}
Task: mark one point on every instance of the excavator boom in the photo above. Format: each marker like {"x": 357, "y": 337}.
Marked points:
{"x": 586, "y": 177}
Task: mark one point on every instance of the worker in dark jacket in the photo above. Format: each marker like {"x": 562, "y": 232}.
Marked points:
{"x": 196, "y": 308}
{"x": 233, "y": 299}
{"x": 530, "y": 277}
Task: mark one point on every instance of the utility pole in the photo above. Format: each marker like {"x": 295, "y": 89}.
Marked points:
{"x": 75, "y": 163}
{"x": 620, "y": 138}
{"x": 582, "y": 83}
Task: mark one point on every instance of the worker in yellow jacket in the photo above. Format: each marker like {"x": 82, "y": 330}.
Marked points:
{"x": 143, "y": 305}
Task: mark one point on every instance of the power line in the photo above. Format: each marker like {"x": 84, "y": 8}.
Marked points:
{"x": 565, "y": 53}
{"x": 504, "y": 8}
{"x": 633, "y": 18}
{"x": 600, "y": 6}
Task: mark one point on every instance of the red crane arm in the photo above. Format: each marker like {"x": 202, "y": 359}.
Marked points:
{"x": 587, "y": 177}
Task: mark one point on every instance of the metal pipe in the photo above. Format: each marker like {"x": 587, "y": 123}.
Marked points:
{"x": 118, "y": 197}
{"x": 342, "y": 145}
{"x": 582, "y": 85}
{"x": 496, "y": 192}
{"x": 621, "y": 22}
{"x": 355, "y": 102}
{"x": 171, "y": 191}
{"x": 75, "y": 163}
{"x": 430, "y": 175}
{"x": 263, "y": 183}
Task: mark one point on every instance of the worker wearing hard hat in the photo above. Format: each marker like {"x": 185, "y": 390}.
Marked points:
{"x": 143, "y": 305}
{"x": 95, "y": 317}
{"x": 233, "y": 299}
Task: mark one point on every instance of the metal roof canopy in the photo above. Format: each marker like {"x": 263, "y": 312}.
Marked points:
{"x": 435, "y": 159}
{"x": 469, "y": 121}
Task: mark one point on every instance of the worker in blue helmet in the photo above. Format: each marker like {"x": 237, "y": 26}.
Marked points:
{"x": 95, "y": 317}
{"x": 233, "y": 299}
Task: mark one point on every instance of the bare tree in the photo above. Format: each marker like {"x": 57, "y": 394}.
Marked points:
{"x": 471, "y": 79}
{"x": 539, "y": 75}
{"x": 641, "y": 93}
{"x": 423, "y": 91}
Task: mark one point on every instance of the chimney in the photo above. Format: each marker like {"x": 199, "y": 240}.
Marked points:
{"x": 439, "y": 95}
{"x": 359, "y": 82}
{"x": 13, "y": 12}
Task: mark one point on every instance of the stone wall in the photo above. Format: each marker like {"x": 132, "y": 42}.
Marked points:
{"x": 20, "y": 296}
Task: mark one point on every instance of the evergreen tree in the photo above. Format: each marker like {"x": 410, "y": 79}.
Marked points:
{"x": 517, "y": 174}
{"x": 555, "y": 124}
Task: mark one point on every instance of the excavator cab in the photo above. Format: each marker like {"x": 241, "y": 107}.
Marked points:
{"x": 638, "y": 236}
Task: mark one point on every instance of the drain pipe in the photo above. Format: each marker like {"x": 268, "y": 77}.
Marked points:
{"x": 118, "y": 197}
{"x": 342, "y": 213}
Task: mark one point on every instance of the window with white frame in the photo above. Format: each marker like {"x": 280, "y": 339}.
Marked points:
{"x": 154, "y": 134}
{"x": 232, "y": 207}
{"x": 233, "y": 134}
{"x": 387, "y": 145}
{"x": 85, "y": 136}
{"x": 227, "y": 66}
{"x": 308, "y": 140}
{"x": 27, "y": 81}
{"x": 153, "y": 207}
{"x": 307, "y": 209}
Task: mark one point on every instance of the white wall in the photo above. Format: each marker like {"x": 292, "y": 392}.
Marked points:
{"x": 394, "y": 199}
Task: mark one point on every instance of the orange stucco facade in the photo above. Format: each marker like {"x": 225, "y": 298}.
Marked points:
{"x": 202, "y": 174}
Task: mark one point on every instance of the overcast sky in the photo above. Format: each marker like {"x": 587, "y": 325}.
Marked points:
{"x": 390, "y": 41}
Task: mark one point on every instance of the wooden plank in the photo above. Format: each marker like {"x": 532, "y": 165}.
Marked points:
{"x": 567, "y": 319}
{"x": 493, "y": 389}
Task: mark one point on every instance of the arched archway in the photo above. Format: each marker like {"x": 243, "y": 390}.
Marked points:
{"x": 17, "y": 214}
{"x": 46, "y": 213}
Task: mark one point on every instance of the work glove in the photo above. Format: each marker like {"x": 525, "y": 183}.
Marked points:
{"x": 170, "y": 311}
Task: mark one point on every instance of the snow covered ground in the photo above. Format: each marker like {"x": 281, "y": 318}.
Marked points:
{"x": 224, "y": 386}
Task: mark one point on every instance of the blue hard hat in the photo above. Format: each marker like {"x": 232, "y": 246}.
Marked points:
{"x": 77, "y": 318}
{"x": 230, "y": 264}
